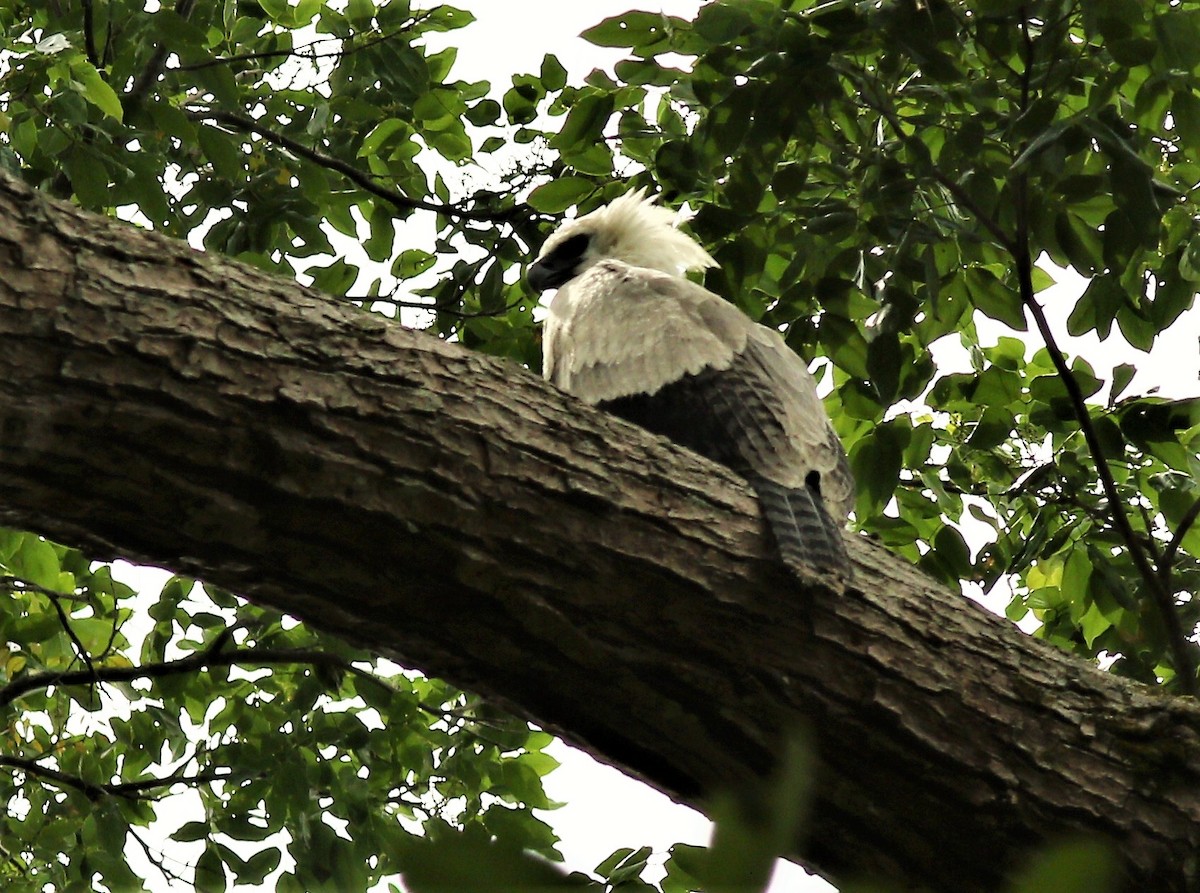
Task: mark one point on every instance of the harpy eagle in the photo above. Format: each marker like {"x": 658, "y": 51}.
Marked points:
{"x": 628, "y": 332}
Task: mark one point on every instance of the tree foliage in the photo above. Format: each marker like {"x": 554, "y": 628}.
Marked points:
{"x": 878, "y": 180}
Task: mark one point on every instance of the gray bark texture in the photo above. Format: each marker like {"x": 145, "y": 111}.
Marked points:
{"x": 457, "y": 514}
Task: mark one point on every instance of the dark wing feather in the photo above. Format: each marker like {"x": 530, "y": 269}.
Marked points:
{"x": 731, "y": 417}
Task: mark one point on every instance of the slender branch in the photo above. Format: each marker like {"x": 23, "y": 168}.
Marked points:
{"x": 1168, "y": 555}
{"x": 304, "y": 52}
{"x": 211, "y": 657}
{"x": 89, "y": 33}
{"x": 1018, "y": 248}
{"x": 1027, "y": 41}
{"x": 154, "y": 67}
{"x": 1181, "y": 655}
{"x": 130, "y": 790}
{"x": 20, "y": 584}
{"x": 356, "y": 176}
{"x": 154, "y": 858}
{"x": 80, "y": 651}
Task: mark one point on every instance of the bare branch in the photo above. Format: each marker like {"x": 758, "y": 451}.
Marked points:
{"x": 154, "y": 858}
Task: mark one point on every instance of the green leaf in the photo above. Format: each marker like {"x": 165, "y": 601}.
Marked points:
{"x": 36, "y": 561}
{"x": 554, "y": 76}
{"x": 1122, "y": 375}
{"x": 95, "y": 89}
{"x": 584, "y": 122}
{"x": 210, "y": 871}
{"x": 484, "y": 112}
{"x": 446, "y": 18}
{"x": 454, "y": 862}
{"x": 876, "y": 462}
{"x": 558, "y": 195}
{"x": 630, "y": 29}
{"x": 412, "y": 262}
{"x": 224, "y": 151}
{"x": 89, "y": 179}
{"x": 994, "y": 298}
{"x": 190, "y": 831}
{"x": 255, "y": 869}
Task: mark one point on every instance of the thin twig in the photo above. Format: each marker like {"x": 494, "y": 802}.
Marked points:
{"x": 80, "y": 651}
{"x": 154, "y": 859}
{"x": 20, "y": 584}
{"x": 1168, "y": 555}
{"x": 304, "y": 52}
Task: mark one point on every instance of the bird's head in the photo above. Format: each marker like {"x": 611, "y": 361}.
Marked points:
{"x": 632, "y": 228}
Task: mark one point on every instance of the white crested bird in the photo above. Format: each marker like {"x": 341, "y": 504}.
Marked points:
{"x": 629, "y": 333}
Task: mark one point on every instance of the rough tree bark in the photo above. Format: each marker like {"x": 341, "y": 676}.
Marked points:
{"x": 455, "y": 513}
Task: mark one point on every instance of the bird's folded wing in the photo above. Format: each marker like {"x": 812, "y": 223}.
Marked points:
{"x": 628, "y": 331}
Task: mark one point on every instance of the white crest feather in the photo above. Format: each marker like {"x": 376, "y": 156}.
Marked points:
{"x": 635, "y": 229}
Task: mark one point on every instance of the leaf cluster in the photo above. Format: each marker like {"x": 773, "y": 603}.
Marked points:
{"x": 286, "y": 737}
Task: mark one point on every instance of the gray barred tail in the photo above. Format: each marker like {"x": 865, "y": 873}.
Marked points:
{"x": 807, "y": 537}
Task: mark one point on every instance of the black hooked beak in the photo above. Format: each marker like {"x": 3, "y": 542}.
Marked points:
{"x": 545, "y": 274}
{"x": 560, "y": 265}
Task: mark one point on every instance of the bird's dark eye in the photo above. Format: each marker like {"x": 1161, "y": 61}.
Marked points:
{"x": 566, "y": 254}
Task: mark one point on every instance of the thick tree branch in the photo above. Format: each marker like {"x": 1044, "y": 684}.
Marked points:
{"x": 457, "y": 514}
